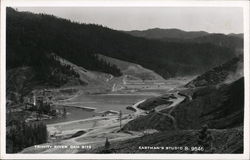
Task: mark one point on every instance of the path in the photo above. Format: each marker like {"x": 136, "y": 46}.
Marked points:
{"x": 97, "y": 129}
{"x": 175, "y": 103}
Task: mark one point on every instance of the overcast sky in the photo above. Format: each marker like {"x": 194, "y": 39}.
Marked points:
{"x": 211, "y": 19}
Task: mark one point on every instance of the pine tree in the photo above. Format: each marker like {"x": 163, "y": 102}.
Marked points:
{"x": 205, "y": 138}
{"x": 106, "y": 147}
{"x": 107, "y": 143}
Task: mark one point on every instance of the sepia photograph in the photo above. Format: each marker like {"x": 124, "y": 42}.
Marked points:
{"x": 108, "y": 80}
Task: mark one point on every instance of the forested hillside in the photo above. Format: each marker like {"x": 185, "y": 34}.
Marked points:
{"x": 29, "y": 35}
{"x": 230, "y": 41}
{"x": 227, "y": 72}
{"x": 233, "y": 41}
{"x": 158, "y": 33}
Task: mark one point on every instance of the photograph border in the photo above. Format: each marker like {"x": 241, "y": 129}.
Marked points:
{"x": 124, "y": 3}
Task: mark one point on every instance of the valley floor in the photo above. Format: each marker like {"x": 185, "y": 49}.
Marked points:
{"x": 132, "y": 132}
{"x": 96, "y": 129}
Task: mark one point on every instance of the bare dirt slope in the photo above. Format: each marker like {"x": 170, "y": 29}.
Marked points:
{"x": 132, "y": 69}
{"x": 88, "y": 76}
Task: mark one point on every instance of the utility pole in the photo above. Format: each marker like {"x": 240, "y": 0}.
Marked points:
{"x": 120, "y": 118}
{"x": 64, "y": 111}
{"x": 34, "y": 99}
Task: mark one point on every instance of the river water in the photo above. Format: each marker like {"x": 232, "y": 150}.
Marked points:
{"x": 111, "y": 101}
{"x": 101, "y": 102}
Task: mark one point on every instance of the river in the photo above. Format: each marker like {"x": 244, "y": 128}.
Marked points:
{"x": 102, "y": 102}
{"x": 116, "y": 101}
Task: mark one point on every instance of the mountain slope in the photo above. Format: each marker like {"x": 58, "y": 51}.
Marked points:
{"x": 225, "y": 141}
{"x": 219, "y": 108}
{"x": 228, "y": 41}
{"x": 233, "y": 41}
{"x": 87, "y": 76}
{"x": 131, "y": 69}
{"x": 49, "y": 72}
{"x": 157, "y": 33}
{"x": 227, "y": 72}
{"x": 29, "y": 35}
{"x": 240, "y": 35}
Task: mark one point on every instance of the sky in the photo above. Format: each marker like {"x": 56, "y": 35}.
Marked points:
{"x": 211, "y": 19}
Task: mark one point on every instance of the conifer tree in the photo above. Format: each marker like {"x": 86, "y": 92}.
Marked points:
{"x": 205, "y": 138}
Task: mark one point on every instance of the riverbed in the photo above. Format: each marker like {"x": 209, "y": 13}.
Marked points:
{"x": 101, "y": 102}
{"x": 115, "y": 101}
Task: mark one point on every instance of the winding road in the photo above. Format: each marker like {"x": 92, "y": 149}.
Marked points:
{"x": 175, "y": 103}
{"x": 96, "y": 132}
{"x": 98, "y": 129}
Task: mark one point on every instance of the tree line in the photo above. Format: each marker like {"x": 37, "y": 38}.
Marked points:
{"x": 31, "y": 37}
{"x": 21, "y": 135}
{"x": 28, "y": 33}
